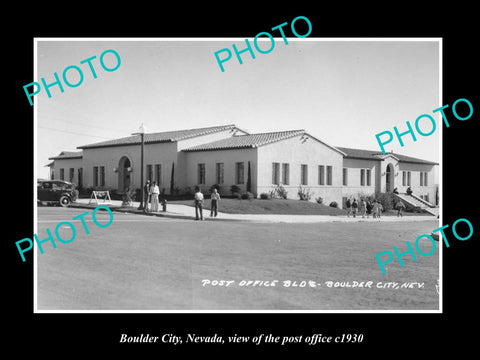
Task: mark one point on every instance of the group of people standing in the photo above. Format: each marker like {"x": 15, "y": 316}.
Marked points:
{"x": 367, "y": 208}
{"x": 152, "y": 193}
{"x": 198, "y": 202}
{"x": 364, "y": 208}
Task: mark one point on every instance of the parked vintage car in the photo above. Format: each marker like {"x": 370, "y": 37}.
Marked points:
{"x": 56, "y": 192}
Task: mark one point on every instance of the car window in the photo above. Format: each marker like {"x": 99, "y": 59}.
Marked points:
{"x": 47, "y": 185}
{"x": 57, "y": 186}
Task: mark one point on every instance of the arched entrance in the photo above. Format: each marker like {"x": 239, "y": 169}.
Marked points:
{"x": 389, "y": 178}
{"x": 123, "y": 173}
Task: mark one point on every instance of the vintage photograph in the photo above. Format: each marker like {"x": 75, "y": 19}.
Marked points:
{"x": 209, "y": 175}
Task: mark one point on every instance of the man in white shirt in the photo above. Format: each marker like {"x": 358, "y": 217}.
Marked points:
{"x": 214, "y": 202}
{"x": 198, "y": 203}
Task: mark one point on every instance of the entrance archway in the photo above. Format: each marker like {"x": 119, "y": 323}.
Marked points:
{"x": 123, "y": 173}
{"x": 389, "y": 178}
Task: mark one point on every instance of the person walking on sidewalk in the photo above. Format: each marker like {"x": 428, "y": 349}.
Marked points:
{"x": 214, "y": 198}
{"x": 400, "y": 207}
{"x": 198, "y": 204}
{"x": 154, "y": 192}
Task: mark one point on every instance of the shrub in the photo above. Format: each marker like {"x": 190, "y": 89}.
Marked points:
{"x": 304, "y": 193}
{"x": 386, "y": 199}
{"x": 247, "y": 196}
{"x": 264, "y": 196}
{"x": 234, "y": 189}
{"x": 333, "y": 204}
{"x": 319, "y": 200}
{"x": 279, "y": 192}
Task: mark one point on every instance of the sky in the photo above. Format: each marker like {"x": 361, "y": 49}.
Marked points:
{"x": 341, "y": 91}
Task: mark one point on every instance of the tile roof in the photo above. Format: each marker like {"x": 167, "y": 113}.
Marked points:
{"x": 378, "y": 155}
{"x": 68, "y": 155}
{"x": 160, "y": 137}
{"x": 246, "y": 141}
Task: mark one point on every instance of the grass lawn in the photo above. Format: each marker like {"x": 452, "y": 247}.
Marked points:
{"x": 277, "y": 206}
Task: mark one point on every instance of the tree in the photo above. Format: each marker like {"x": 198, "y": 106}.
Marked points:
{"x": 249, "y": 179}
{"x": 172, "y": 179}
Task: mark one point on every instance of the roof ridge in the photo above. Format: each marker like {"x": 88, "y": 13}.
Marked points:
{"x": 166, "y": 136}
{"x": 278, "y": 132}
{"x": 194, "y": 129}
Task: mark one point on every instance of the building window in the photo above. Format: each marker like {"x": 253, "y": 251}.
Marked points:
{"x": 276, "y": 173}
{"x": 149, "y": 172}
{"x": 102, "y": 175}
{"x": 95, "y": 176}
{"x": 329, "y": 175}
{"x": 201, "y": 174}
{"x": 285, "y": 174}
{"x": 219, "y": 173}
{"x": 423, "y": 178}
{"x": 239, "y": 173}
{"x": 304, "y": 174}
{"x": 71, "y": 174}
{"x": 404, "y": 178}
{"x": 62, "y": 174}
{"x": 158, "y": 174}
{"x": 409, "y": 177}
{"x": 321, "y": 175}
{"x": 369, "y": 177}
{"x": 362, "y": 177}
{"x": 80, "y": 178}
{"x": 345, "y": 176}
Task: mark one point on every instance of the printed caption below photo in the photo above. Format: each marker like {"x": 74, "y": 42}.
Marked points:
{"x": 313, "y": 339}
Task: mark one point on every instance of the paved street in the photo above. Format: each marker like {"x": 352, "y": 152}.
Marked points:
{"x": 156, "y": 263}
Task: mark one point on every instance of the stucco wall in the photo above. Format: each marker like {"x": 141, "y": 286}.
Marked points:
{"x": 415, "y": 170}
{"x": 354, "y": 187}
{"x": 295, "y": 152}
{"x": 379, "y": 168}
{"x": 164, "y": 154}
{"x": 67, "y": 164}
{"x": 229, "y": 158}
{"x": 183, "y": 173}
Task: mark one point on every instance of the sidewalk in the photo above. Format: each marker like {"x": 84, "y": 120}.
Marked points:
{"x": 178, "y": 211}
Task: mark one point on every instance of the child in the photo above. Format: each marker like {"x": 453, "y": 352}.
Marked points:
{"x": 375, "y": 208}
{"x": 348, "y": 206}
{"x": 369, "y": 208}
{"x": 363, "y": 207}
{"x": 379, "y": 210}
{"x": 400, "y": 208}
{"x": 354, "y": 207}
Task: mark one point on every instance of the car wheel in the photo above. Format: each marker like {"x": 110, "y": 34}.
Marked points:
{"x": 64, "y": 200}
